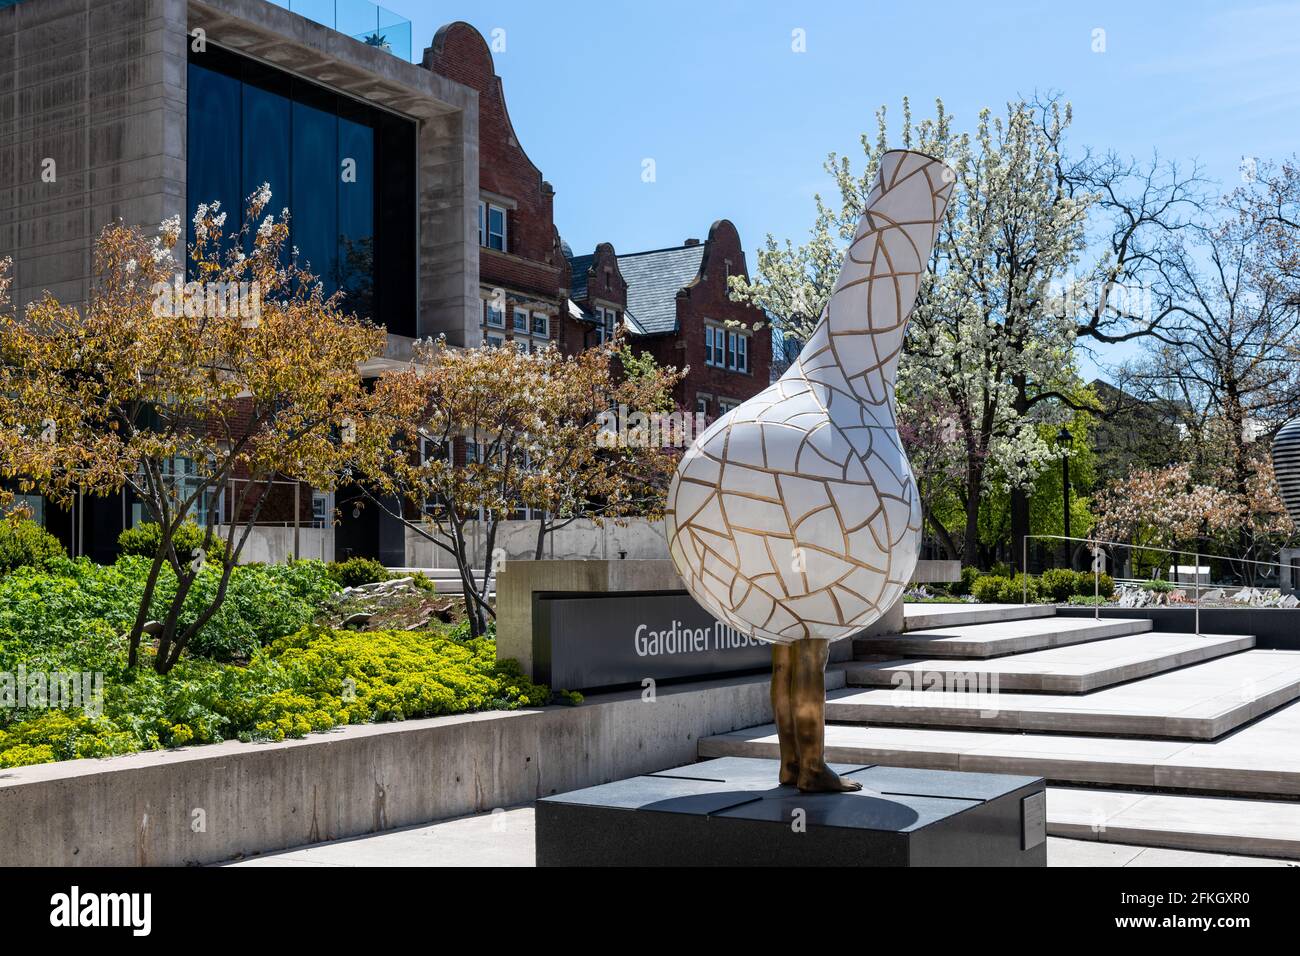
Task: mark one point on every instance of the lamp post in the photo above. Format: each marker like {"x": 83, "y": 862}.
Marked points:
{"x": 1063, "y": 439}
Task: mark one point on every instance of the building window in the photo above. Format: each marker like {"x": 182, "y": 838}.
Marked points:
{"x": 714, "y": 346}
{"x": 251, "y": 124}
{"x": 492, "y": 226}
{"x": 495, "y": 317}
{"x": 33, "y": 504}
{"x": 608, "y": 319}
{"x": 727, "y": 404}
{"x": 726, "y": 349}
{"x": 494, "y": 341}
{"x": 738, "y": 351}
{"x": 702, "y": 404}
{"x": 322, "y": 510}
{"x": 521, "y": 321}
{"x": 541, "y": 325}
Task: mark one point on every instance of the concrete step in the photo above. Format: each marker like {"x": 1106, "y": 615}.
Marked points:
{"x": 919, "y": 616}
{"x": 1070, "y": 669}
{"x": 998, "y": 638}
{"x": 1260, "y": 759}
{"x": 1177, "y": 821}
{"x": 1201, "y": 702}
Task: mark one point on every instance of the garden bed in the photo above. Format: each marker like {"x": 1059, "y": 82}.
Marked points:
{"x": 270, "y": 665}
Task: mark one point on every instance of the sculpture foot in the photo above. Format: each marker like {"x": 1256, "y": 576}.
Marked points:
{"x": 789, "y": 772}
{"x": 822, "y": 779}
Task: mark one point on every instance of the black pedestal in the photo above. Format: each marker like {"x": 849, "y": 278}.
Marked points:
{"x": 730, "y": 812}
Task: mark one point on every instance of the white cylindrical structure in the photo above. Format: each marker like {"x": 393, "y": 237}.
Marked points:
{"x": 1286, "y": 466}
{"x": 796, "y": 516}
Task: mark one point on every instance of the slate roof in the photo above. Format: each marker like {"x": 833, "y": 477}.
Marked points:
{"x": 578, "y": 266}
{"x": 653, "y": 281}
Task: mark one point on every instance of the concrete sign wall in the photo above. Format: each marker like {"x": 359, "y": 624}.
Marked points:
{"x": 611, "y": 640}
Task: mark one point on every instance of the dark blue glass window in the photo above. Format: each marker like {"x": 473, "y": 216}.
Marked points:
{"x": 214, "y": 121}
{"x": 315, "y": 210}
{"x": 344, "y": 170}
{"x": 356, "y": 214}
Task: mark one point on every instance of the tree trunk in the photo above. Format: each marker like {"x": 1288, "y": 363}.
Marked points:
{"x": 1020, "y": 496}
{"x": 943, "y": 534}
{"x": 970, "y": 546}
{"x": 541, "y": 537}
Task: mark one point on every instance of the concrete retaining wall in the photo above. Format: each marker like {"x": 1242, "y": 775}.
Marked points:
{"x": 638, "y": 538}
{"x": 220, "y": 802}
{"x": 273, "y": 545}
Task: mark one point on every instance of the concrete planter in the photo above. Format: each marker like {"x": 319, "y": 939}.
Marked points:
{"x": 220, "y": 802}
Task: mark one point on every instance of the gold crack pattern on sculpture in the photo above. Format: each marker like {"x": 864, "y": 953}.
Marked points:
{"x": 795, "y": 516}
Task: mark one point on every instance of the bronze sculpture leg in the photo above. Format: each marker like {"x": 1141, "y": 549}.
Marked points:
{"x": 799, "y": 709}
{"x": 783, "y": 656}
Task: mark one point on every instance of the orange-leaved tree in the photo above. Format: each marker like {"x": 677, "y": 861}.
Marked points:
{"x": 610, "y": 440}
{"x": 461, "y": 439}
{"x": 244, "y": 374}
{"x": 442, "y": 449}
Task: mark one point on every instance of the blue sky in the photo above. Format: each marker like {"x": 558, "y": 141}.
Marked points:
{"x": 739, "y": 125}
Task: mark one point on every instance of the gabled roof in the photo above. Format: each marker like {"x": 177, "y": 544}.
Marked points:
{"x": 653, "y": 280}
{"x": 578, "y": 268}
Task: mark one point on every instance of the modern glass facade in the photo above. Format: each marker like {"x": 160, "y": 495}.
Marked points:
{"x": 344, "y": 170}
{"x": 373, "y": 25}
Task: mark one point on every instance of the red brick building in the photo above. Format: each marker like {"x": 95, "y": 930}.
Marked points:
{"x": 523, "y": 274}
{"x": 674, "y": 304}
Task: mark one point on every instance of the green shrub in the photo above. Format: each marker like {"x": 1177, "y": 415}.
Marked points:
{"x": 145, "y": 539}
{"x": 55, "y": 611}
{"x": 1001, "y": 570}
{"x": 1103, "y": 585}
{"x": 313, "y": 680}
{"x": 25, "y": 544}
{"x": 987, "y": 588}
{"x": 968, "y": 575}
{"x": 263, "y": 603}
{"x": 1057, "y": 584}
{"x": 1159, "y": 587}
{"x": 1020, "y": 589}
{"x": 355, "y": 572}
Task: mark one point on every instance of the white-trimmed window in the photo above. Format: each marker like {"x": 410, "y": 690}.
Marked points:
{"x": 715, "y": 338}
{"x": 495, "y": 341}
{"x": 541, "y": 325}
{"x": 491, "y": 225}
{"x": 608, "y": 322}
{"x": 521, "y": 321}
{"x": 702, "y": 403}
{"x": 727, "y": 404}
{"x": 738, "y": 351}
{"x": 496, "y": 318}
{"x": 725, "y": 348}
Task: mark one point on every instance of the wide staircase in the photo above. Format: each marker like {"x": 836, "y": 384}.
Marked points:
{"x": 1155, "y": 739}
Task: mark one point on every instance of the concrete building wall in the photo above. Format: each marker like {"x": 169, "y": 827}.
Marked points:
{"x": 99, "y": 88}
{"x": 92, "y": 129}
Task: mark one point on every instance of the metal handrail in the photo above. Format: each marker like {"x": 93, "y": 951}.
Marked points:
{"x": 1096, "y": 544}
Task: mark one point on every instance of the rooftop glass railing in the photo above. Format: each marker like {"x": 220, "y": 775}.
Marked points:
{"x": 373, "y": 25}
